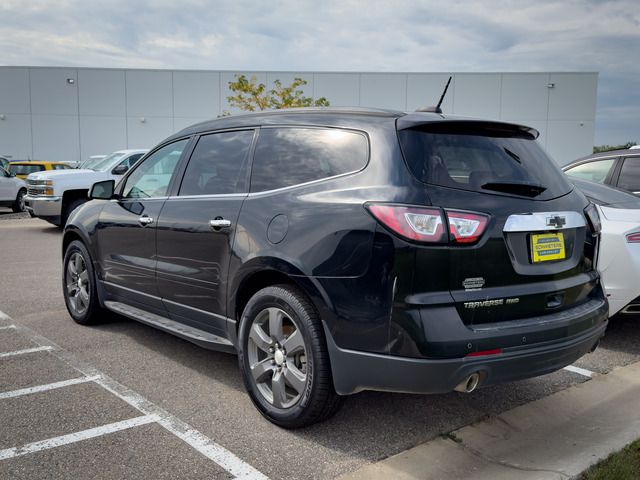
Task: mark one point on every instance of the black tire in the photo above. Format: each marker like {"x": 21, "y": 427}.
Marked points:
{"x": 69, "y": 208}
{"x": 317, "y": 399}
{"x": 18, "y": 205}
{"x": 92, "y": 313}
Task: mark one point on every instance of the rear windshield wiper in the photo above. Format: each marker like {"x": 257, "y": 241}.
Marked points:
{"x": 516, "y": 188}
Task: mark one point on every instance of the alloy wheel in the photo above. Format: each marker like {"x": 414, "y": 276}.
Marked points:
{"x": 77, "y": 283}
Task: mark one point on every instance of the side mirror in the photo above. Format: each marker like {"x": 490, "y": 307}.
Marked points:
{"x": 120, "y": 170}
{"x": 102, "y": 190}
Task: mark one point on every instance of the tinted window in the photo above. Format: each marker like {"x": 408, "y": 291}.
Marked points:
{"x": 290, "y": 156}
{"x": 218, "y": 164}
{"x": 593, "y": 171}
{"x": 17, "y": 169}
{"x": 61, "y": 166}
{"x": 630, "y": 175}
{"x": 480, "y": 157}
{"x": 151, "y": 178}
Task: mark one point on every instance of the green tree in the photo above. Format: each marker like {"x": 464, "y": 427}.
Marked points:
{"x": 606, "y": 148}
{"x": 251, "y": 96}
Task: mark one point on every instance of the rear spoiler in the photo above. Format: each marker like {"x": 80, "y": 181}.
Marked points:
{"x": 438, "y": 123}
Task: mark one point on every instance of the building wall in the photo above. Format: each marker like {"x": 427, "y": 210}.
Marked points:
{"x": 72, "y": 113}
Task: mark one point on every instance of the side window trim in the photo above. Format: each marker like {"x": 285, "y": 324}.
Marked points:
{"x": 614, "y": 173}
{"x": 123, "y": 181}
{"x": 311, "y": 182}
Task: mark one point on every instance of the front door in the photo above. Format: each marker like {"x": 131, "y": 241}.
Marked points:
{"x": 126, "y": 230}
{"x": 197, "y": 227}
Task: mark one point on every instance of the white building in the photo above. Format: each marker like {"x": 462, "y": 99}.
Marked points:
{"x": 72, "y": 113}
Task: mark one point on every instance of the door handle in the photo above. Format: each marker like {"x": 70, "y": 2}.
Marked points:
{"x": 145, "y": 220}
{"x": 219, "y": 223}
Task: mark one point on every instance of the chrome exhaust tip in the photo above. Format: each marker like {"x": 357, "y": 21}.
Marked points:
{"x": 469, "y": 384}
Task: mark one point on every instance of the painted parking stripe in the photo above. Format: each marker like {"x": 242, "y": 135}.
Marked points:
{"x": 42, "y": 348}
{"x": 8, "y": 327}
{"x": 47, "y": 387}
{"x": 76, "y": 437}
{"x": 198, "y": 441}
{"x": 579, "y": 371}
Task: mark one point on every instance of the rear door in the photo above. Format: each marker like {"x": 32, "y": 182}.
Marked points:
{"x": 535, "y": 253}
{"x": 197, "y": 227}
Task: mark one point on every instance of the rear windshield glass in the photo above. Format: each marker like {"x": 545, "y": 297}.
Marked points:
{"x": 482, "y": 158}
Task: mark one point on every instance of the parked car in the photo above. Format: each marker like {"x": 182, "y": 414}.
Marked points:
{"x": 12, "y": 191}
{"x": 22, "y": 169}
{"x": 53, "y": 195}
{"x": 617, "y": 168}
{"x": 339, "y": 250}
{"x": 619, "y": 252}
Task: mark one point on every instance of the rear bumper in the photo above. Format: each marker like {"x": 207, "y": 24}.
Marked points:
{"x": 355, "y": 371}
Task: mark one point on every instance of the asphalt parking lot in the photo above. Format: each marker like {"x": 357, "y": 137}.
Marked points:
{"x": 138, "y": 403}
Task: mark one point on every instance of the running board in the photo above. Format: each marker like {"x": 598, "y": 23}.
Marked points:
{"x": 195, "y": 335}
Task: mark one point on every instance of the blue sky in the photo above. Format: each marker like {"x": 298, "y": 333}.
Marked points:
{"x": 365, "y": 35}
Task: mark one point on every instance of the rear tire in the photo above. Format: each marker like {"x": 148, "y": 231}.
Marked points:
{"x": 79, "y": 286}
{"x": 284, "y": 360}
{"x": 18, "y": 205}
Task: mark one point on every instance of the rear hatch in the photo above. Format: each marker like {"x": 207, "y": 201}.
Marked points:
{"x": 519, "y": 243}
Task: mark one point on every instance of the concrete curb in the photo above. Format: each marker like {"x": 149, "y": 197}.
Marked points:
{"x": 556, "y": 437}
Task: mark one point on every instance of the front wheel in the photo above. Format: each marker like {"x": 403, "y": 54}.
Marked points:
{"x": 284, "y": 360}
{"x": 18, "y": 206}
{"x": 79, "y": 285}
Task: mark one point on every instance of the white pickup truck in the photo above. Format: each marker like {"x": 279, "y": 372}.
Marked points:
{"x": 54, "y": 194}
{"x": 12, "y": 191}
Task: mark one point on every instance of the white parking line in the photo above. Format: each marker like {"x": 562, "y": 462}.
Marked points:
{"x": 7, "y": 327}
{"x": 201, "y": 443}
{"x": 76, "y": 437}
{"x": 43, "y": 348}
{"x": 579, "y": 371}
{"x": 44, "y": 388}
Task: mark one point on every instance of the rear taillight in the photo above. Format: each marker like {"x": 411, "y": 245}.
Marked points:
{"x": 593, "y": 217}
{"x": 466, "y": 227}
{"x": 413, "y": 223}
{"x": 428, "y": 224}
{"x": 633, "y": 237}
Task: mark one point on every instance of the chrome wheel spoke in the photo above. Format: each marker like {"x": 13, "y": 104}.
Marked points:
{"x": 84, "y": 276}
{"x": 71, "y": 269}
{"x": 278, "y": 389}
{"x": 260, "y": 338}
{"x": 275, "y": 323}
{"x": 78, "y": 264}
{"x": 261, "y": 370}
{"x": 294, "y": 343}
{"x": 84, "y": 296}
{"x": 295, "y": 378}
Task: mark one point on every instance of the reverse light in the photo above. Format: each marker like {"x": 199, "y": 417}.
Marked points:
{"x": 413, "y": 223}
{"x": 593, "y": 217}
{"x": 466, "y": 227}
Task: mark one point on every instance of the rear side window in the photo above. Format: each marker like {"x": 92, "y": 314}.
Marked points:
{"x": 18, "y": 169}
{"x": 291, "y": 156}
{"x": 218, "y": 164}
{"x": 488, "y": 158}
{"x": 630, "y": 175}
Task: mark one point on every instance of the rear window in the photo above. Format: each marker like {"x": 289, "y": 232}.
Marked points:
{"x": 482, "y": 158}
{"x": 24, "y": 169}
{"x": 289, "y": 156}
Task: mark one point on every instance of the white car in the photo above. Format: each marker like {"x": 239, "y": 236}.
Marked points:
{"x": 619, "y": 253}
{"x": 12, "y": 191}
{"x": 54, "y": 194}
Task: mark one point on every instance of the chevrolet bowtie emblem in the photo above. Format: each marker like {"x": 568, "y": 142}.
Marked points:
{"x": 556, "y": 221}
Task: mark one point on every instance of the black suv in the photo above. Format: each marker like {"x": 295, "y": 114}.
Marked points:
{"x": 343, "y": 250}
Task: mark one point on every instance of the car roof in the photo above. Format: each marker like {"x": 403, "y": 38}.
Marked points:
{"x": 625, "y": 152}
{"x": 330, "y": 116}
{"x": 35, "y": 162}
{"x": 131, "y": 150}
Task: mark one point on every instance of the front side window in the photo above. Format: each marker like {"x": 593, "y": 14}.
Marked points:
{"x": 289, "y": 156}
{"x": 596, "y": 171}
{"x": 151, "y": 178}
{"x": 630, "y": 175}
{"x": 218, "y": 164}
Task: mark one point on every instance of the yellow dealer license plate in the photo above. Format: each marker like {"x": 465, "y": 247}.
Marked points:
{"x": 547, "y": 246}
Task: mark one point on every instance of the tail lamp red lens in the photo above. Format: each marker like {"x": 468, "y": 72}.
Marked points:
{"x": 633, "y": 237}
{"x": 428, "y": 224}
{"x": 484, "y": 353}
{"x": 593, "y": 217}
